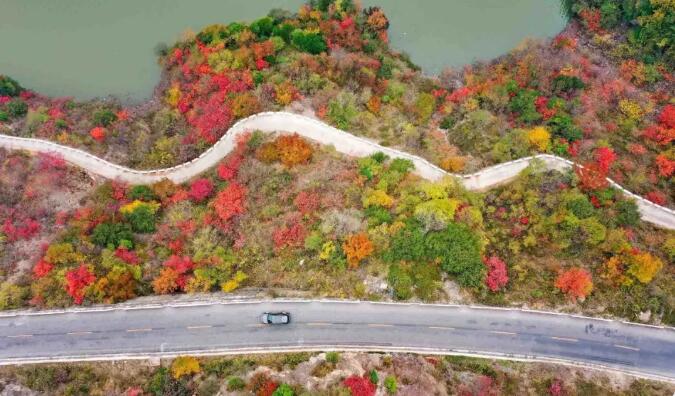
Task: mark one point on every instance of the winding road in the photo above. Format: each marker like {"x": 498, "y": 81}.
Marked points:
{"x": 343, "y": 142}
{"x": 115, "y": 332}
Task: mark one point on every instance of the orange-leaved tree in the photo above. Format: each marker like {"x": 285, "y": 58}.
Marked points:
{"x": 357, "y": 247}
{"x": 293, "y": 150}
{"x": 575, "y": 282}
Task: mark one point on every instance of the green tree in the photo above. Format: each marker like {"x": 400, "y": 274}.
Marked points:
{"x": 142, "y": 192}
{"x": 9, "y": 87}
{"x": 112, "y": 234}
{"x": 12, "y": 296}
{"x": 627, "y": 213}
{"x": 312, "y": 42}
{"x": 142, "y": 219}
{"x": 283, "y": 390}
{"x": 17, "y": 108}
{"x": 458, "y": 250}
{"x": 104, "y": 117}
{"x": 390, "y": 384}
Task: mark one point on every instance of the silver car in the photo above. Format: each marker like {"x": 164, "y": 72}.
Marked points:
{"x": 275, "y": 318}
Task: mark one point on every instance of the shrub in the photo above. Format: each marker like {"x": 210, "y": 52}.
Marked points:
{"x": 12, "y": 296}
{"x": 312, "y": 42}
{"x": 360, "y": 386}
{"x": 400, "y": 282}
{"x": 104, "y": 117}
{"x": 390, "y": 384}
{"x": 332, "y": 357}
{"x": 283, "y": 390}
{"x": 401, "y": 165}
{"x": 235, "y": 384}
{"x": 141, "y": 192}
{"x": 184, "y": 365}
{"x": 16, "y": 108}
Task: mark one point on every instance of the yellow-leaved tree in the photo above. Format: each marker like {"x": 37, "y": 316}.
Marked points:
{"x": 644, "y": 266}
{"x": 539, "y": 138}
{"x": 184, "y": 365}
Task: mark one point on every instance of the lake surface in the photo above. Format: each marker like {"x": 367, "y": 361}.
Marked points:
{"x": 90, "y": 48}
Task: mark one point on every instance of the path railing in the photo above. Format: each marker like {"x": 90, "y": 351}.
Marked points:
{"x": 323, "y": 133}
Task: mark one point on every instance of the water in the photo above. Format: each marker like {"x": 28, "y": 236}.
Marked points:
{"x": 91, "y": 48}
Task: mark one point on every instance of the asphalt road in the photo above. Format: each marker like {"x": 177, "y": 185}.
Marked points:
{"x": 235, "y": 327}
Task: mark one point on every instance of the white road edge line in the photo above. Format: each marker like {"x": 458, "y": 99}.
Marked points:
{"x": 199, "y": 327}
{"x": 503, "y": 332}
{"x": 351, "y": 348}
{"x": 139, "y": 330}
{"x": 630, "y": 348}
{"x": 564, "y": 339}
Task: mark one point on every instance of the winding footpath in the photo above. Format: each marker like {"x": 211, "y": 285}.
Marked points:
{"x": 310, "y": 128}
{"x": 232, "y": 327}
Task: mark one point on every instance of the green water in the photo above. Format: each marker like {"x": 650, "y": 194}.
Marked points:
{"x": 90, "y": 48}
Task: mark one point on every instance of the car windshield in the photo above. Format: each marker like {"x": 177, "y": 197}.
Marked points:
{"x": 277, "y": 318}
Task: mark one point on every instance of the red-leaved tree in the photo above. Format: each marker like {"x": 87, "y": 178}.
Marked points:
{"x": 77, "y": 280}
{"x": 201, "y": 189}
{"x": 359, "y": 386}
{"x": 497, "y": 276}
{"x": 230, "y": 202}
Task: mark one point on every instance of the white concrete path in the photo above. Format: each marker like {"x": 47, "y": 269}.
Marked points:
{"x": 343, "y": 142}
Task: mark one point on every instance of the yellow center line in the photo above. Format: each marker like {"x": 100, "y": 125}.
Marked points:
{"x": 319, "y": 324}
{"x": 139, "y": 330}
{"x": 441, "y": 328}
{"x": 379, "y": 325}
{"x": 502, "y": 332}
{"x": 627, "y": 347}
{"x": 199, "y": 327}
{"x": 20, "y": 336}
{"x": 565, "y": 339}
{"x": 79, "y": 332}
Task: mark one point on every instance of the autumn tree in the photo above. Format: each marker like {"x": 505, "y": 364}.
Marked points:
{"x": 497, "y": 276}
{"x": 539, "y": 138}
{"x": 118, "y": 285}
{"x": 200, "y": 189}
{"x": 293, "y": 150}
{"x": 166, "y": 282}
{"x": 184, "y": 365}
{"x": 575, "y": 282}
{"x": 360, "y": 386}
{"x": 357, "y": 247}
{"x": 229, "y": 202}
{"x": 644, "y": 266}
{"x": 77, "y": 280}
